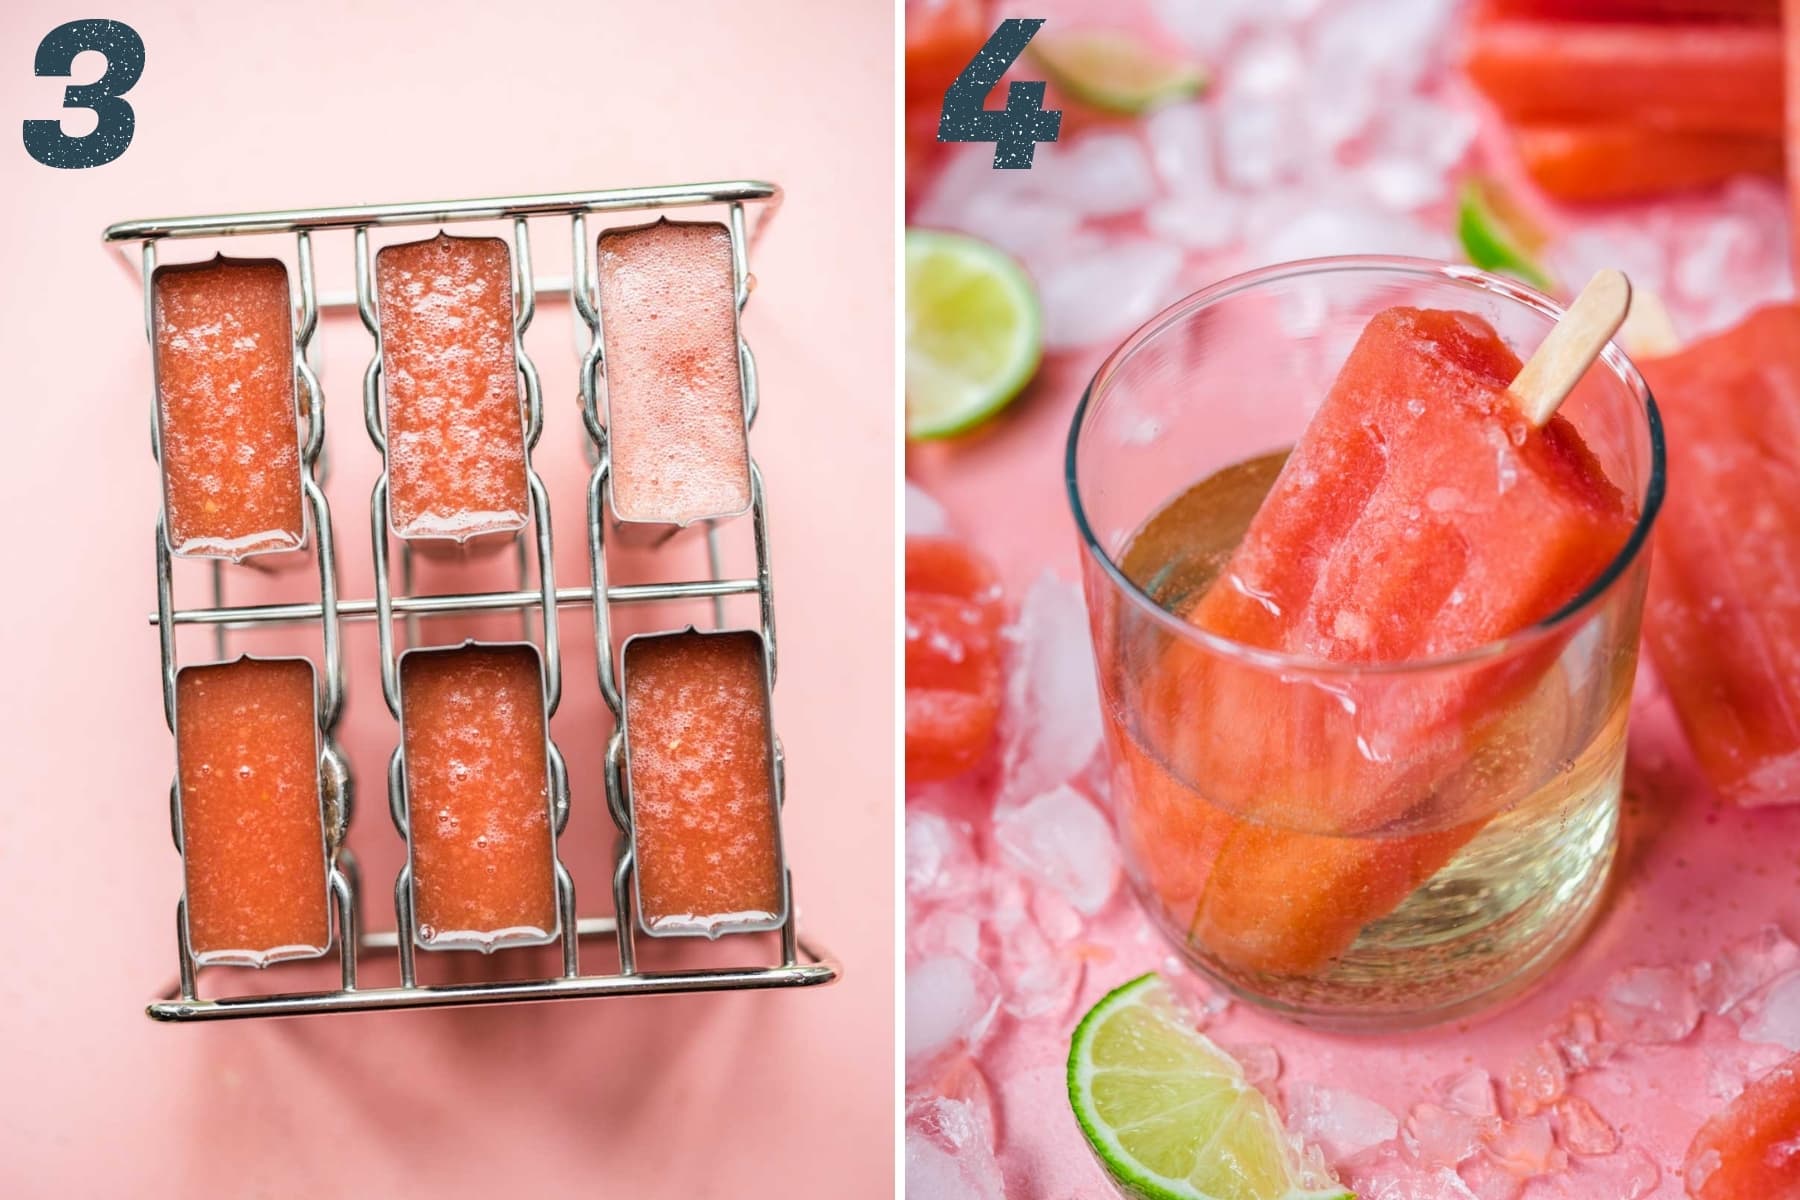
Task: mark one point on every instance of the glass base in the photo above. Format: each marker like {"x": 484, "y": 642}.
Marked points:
{"x": 1477, "y": 934}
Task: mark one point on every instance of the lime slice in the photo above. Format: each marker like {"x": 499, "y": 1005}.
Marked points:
{"x": 1498, "y": 236}
{"x": 1114, "y": 71}
{"x": 973, "y": 333}
{"x": 1171, "y": 1116}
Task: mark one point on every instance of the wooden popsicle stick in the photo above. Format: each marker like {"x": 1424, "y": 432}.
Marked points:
{"x": 1548, "y": 376}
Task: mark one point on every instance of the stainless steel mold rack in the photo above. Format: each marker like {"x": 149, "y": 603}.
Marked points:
{"x": 800, "y": 964}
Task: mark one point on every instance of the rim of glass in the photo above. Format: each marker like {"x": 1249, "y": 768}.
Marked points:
{"x": 1613, "y": 357}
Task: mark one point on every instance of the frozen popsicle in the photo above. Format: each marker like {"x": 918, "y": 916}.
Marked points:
{"x": 1723, "y": 617}
{"x": 252, "y": 823}
{"x": 1700, "y": 76}
{"x": 700, "y": 755}
{"x": 1421, "y": 514}
{"x": 1598, "y": 161}
{"x": 954, "y": 611}
{"x": 1746, "y": 1150}
{"x": 478, "y": 795}
{"x": 674, "y": 400}
{"x": 226, "y": 407}
{"x": 455, "y": 432}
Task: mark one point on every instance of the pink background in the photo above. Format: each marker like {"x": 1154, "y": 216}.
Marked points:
{"x": 692, "y": 1096}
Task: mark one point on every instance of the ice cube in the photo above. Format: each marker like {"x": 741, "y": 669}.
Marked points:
{"x": 1208, "y": 26}
{"x": 1101, "y": 174}
{"x": 1582, "y": 1129}
{"x": 1200, "y": 221}
{"x": 1527, "y": 1147}
{"x": 1341, "y": 1123}
{"x": 1260, "y": 1061}
{"x": 1469, "y": 1092}
{"x": 1055, "y": 917}
{"x": 1651, "y": 1004}
{"x": 1102, "y": 290}
{"x": 1268, "y": 64}
{"x": 1629, "y": 1174}
{"x": 1062, "y": 841}
{"x": 1489, "y": 1179}
{"x": 1579, "y": 1041}
{"x": 1397, "y": 182}
{"x": 1181, "y": 144}
{"x": 950, "y": 1003}
{"x": 1259, "y": 140}
{"x": 939, "y": 929}
{"x": 1052, "y": 724}
{"x": 1536, "y": 1080}
{"x": 1041, "y": 976}
{"x": 1319, "y": 230}
{"x": 947, "y": 1155}
{"x": 940, "y": 857}
{"x": 1746, "y": 965}
{"x": 925, "y": 517}
{"x": 1776, "y": 1015}
{"x": 1436, "y": 1136}
{"x": 1023, "y": 226}
{"x": 1389, "y": 1176}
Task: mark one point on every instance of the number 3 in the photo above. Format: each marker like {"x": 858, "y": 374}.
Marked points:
{"x": 124, "y": 51}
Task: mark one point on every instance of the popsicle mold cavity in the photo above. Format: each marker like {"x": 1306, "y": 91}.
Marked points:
{"x": 455, "y": 430}
{"x": 252, "y": 820}
{"x": 227, "y": 420}
{"x": 674, "y": 396}
{"x": 700, "y": 760}
{"x": 476, "y": 749}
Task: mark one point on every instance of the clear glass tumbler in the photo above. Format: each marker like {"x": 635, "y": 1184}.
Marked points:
{"x": 1354, "y": 846}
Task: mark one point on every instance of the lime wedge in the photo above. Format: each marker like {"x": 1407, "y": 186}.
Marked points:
{"x": 973, "y": 332}
{"x": 1114, "y": 71}
{"x": 1498, "y": 236}
{"x": 1171, "y": 1116}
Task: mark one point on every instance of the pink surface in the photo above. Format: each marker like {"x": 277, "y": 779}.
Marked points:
{"x": 690, "y": 1096}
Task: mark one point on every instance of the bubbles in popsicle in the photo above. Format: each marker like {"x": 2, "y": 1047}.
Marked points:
{"x": 456, "y": 441}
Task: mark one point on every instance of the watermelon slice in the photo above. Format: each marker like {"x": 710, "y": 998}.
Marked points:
{"x": 1751, "y": 1150}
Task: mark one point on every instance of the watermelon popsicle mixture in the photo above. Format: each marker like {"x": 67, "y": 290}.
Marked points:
{"x": 700, "y": 762}
{"x": 1421, "y": 515}
{"x": 456, "y": 437}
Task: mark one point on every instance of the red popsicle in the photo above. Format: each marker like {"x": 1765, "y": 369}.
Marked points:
{"x": 1751, "y": 1150}
{"x": 478, "y": 795}
{"x": 1723, "y": 617}
{"x": 226, "y": 404}
{"x": 953, "y": 617}
{"x": 252, "y": 824}
{"x": 1597, "y": 161}
{"x": 1706, "y": 77}
{"x": 455, "y": 432}
{"x": 674, "y": 402}
{"x": 700, "y": 757}
{"x": 1421, "y": 514}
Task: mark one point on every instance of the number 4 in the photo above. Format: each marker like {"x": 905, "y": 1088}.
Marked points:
{"x": 1016, "y": 129}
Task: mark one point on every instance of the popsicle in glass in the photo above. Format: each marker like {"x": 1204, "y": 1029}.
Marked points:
{"x": 700, "y": 764}
{"x": 676, "y": 431}
{"x": 227, "y": 417}
{"x": 476, "y": 749}
{"x": 252, "y": 818}
{"x": 455, "y": 430}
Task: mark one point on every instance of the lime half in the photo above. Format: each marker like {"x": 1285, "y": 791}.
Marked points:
{"x": 973, "y": 332}
{"x": 1171, "y": 1116}
{"x": 1499, "y": 236}
{"x": 1114, "y": 71}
